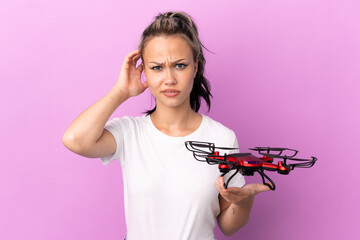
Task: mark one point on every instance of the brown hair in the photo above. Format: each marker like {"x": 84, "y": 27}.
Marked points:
{"x": 180, "y": 23}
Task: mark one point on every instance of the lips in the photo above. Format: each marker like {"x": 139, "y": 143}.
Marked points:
{"x": 170, "y": 92}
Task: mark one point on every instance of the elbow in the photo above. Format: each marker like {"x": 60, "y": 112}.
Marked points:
{"x": 230, "y": 233}
{"x": 227, "y": 233}
{"x": 79, "y": 147}
{"x": 71, "y": 143}
{"x": 224, "y": 229}
{"x": 68, "y": 140}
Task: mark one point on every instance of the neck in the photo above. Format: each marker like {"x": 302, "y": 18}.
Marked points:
{"x": 169, "y": 118}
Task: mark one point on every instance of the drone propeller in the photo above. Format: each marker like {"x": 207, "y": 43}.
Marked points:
{"x": 203, "y": 151}
{"x": 304, "y": 163}
{"x": 200, "y": 145}
{"x": 207, "y": 144}
{"x": 274, "y": 152}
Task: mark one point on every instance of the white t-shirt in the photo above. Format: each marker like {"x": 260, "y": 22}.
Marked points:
{"x": 168, "y": 194}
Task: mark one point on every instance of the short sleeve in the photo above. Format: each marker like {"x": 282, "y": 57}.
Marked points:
{"x": 116, "y": 128}
{"x": 238, "y": 180}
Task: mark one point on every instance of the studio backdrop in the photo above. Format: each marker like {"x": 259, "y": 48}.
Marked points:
{"x": 284, "y": 73}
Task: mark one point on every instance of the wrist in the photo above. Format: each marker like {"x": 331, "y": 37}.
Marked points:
{"x": 121, "y": 93}
{"x": 245, "y": 203}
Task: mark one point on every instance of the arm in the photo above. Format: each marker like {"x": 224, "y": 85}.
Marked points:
{"x": 234, "y": 216}
{"x": 86, "y": 135}
{"x": 84, "y": 132}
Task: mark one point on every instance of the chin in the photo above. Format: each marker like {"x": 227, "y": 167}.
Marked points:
{"x": 173, "y": 103}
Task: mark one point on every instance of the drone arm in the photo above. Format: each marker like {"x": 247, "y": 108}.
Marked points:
{"x": 280, "y": 168}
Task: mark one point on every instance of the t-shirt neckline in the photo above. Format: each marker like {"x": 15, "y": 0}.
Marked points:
{"x": 164, "y": 136}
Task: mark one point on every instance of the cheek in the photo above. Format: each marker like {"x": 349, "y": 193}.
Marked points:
{"x": 150, "y": 86}
{"x": 152, "y": 81}
{"x": 153, "y": 84}
{"x": 190, "y": 84}
{"x": 149, "y": 78}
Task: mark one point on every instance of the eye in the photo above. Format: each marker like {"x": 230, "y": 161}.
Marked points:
{"x": 155, "y": 68}
{"x": 181, "y": 64}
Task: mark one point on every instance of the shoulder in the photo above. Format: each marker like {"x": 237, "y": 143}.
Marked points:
{"x": 126, "y": 123}
{"x": 218, "y": 127}
{"x": 129, "y": 120}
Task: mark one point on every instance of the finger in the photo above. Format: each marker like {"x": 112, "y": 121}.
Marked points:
{"x": 265, "y": 187}
{"x": 140, "y": 67}
{"x": 220, "y": 185}
{"x": 260, "y": 188}
{"x": 135, "y": 59}
{"x": 130, "y": 55}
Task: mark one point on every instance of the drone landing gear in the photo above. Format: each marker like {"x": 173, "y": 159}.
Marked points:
{"x": 227, "y": 183}
{"x": 263, "y": 176}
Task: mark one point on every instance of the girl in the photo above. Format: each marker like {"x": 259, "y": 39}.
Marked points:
{"x": 167, "y": 193}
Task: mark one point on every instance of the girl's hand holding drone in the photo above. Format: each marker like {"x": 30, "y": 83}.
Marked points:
{"x": 240, "y": 196}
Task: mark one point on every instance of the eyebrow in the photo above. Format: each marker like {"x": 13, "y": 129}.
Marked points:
{"x": 171, "y": 62}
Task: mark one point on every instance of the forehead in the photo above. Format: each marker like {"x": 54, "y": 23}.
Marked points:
{"x": 166, "y": 47}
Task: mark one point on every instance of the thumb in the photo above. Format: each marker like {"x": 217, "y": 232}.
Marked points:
{"x": 262, "y": 188}
{"x": 256, "y": 188}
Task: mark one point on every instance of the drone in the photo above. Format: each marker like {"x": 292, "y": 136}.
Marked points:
{"x": 246, "y": 163}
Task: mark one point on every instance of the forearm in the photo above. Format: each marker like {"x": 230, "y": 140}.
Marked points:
{"x": 235, "y": 217}
{"x": 89, "y": 125}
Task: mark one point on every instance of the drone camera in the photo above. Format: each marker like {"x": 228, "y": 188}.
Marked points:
{"x": 247, "y": 172}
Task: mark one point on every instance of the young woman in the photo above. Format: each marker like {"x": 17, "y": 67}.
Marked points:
{"x": 167, "y": 193}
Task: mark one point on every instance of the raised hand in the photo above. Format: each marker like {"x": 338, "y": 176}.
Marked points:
{"x": 129, "y": 80}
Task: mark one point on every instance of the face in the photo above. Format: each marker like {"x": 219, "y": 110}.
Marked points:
{"x": 170, "y": 70}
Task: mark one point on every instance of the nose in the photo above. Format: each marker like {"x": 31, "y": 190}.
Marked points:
{"x": 170, "y": 78}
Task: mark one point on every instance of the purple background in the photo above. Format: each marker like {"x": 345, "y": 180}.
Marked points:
{"x": 285, "y": 73}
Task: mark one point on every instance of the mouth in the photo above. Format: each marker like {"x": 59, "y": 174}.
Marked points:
{"x": 170, "y": 92}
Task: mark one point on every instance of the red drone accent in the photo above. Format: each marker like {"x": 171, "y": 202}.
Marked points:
{"x": 246, "y": 163}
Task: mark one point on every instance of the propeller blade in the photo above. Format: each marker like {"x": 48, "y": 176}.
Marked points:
{"x": 200, "y": 144}
{"x": 207, "y": 145}
{"x": 268, "y": 148}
